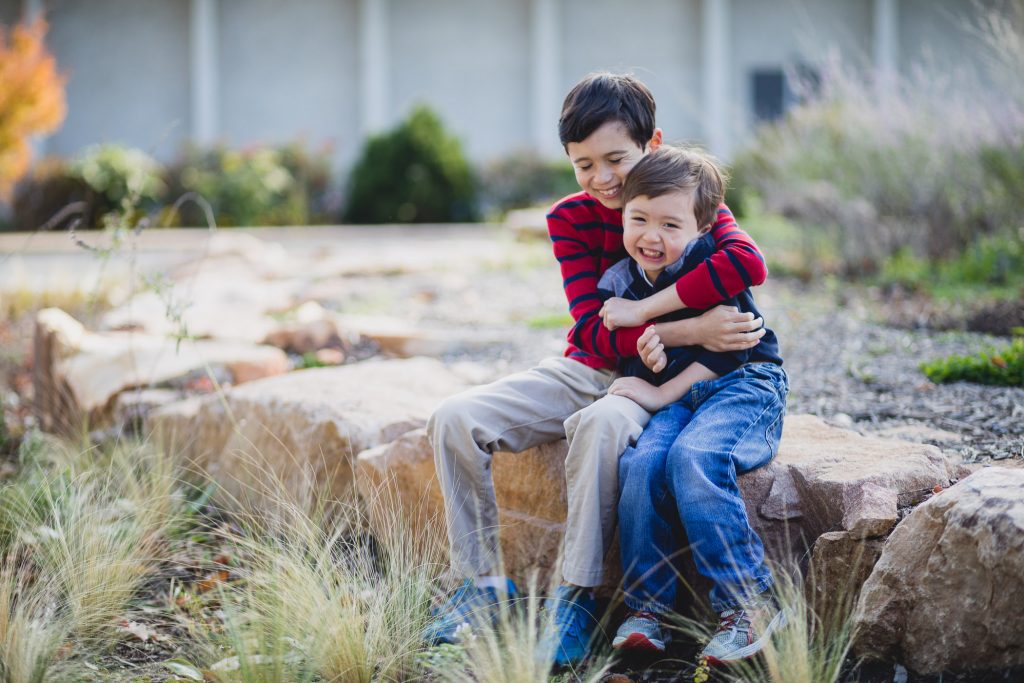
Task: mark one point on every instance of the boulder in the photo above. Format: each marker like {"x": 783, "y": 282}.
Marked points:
{"x": 529, "y": 487}
{"x": 829, "y": 479}
{"x": 841, "y": 562}
{"x": 297, "y": 435}
{"x": 823, "y": 479}
{"x": 948, "y": 589}
{"x": 77, "y": 373}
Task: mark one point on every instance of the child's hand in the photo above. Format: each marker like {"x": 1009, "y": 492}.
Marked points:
{"x": 725, "y": 328}
{"x": 652, "y": 350}
{"x": 618, "y": 312}
{"x": 646, "y": 395}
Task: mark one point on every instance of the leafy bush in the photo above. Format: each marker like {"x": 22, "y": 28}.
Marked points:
{"x": 107, "y": 178}
{"x": 415, "y": 173}
{"x": 1003, "y": 367}
{"x": 991, "y": 262}
{"x": 525, "y": 179}
{"x": 260, "y": 186}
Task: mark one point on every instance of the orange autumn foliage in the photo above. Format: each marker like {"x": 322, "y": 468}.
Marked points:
{"x": 31, "y": 97}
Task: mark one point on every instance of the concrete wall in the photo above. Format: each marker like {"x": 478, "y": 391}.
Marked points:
{"x": 128, "y": 73}
{"x": 294, "y": 69}
{"x": 658, "y": 41}
{"x": 469, "y": 59}
{"x": 287, "y": 70}
{"x": 801, "y": 32}
{"x": 10, "y": 11}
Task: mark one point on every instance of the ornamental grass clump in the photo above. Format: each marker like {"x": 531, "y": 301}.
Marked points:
{"x": 811, "y": 648}
{"x": 81, "y": 530}
{"x": 921, "y": 164}
{"x": 319, "y": 599}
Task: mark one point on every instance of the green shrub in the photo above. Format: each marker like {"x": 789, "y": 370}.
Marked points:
{"x": 1003, "y": 367}
{"x": 260, "y": 186}
{"x": 414, "y": 173}
{"x": 994, "y": 262}
{"x": 525, "y": 179}
{"x": 107, "y": 178}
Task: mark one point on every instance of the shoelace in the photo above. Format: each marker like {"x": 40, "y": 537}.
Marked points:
{"x": 732, "y": 620}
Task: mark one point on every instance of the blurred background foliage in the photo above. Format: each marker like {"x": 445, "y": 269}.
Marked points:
{"x": 31, "y": 100}
{"x": 917, "y": 183}
{"x": 914, "y": 183}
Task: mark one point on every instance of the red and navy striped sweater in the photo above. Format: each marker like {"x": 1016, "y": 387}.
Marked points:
{"x": 587, "y": 240}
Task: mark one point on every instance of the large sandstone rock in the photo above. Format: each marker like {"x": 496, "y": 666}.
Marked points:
{"x": 77, "y": 373}
{"x": 948, "y": 590}
{"x": 830, "y": 479}
{"x": 823, "y": 479}
{"x": 529, "y": 486}
{"x": 298, "y": 434}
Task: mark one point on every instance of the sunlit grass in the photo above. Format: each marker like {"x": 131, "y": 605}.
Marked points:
{"x": 812, "y": 647}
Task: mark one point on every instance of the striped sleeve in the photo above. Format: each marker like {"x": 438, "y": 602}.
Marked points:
{"x": 579, "y": 259}
{"x": 736, "y": 265}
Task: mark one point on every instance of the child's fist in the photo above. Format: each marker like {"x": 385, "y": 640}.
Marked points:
{"x": 651, "y": 350}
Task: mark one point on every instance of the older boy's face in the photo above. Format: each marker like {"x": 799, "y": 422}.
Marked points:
{"x": 603, "y": 159}
{"x": 657, "y": 230}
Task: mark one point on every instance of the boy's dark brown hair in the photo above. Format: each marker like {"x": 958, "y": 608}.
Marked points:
{"x": 679, "y": 169}
{"x": 603, "y": 97}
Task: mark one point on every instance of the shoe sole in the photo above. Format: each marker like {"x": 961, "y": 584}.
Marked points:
{"x": 638, "y": 642}
{"x": 750, "y": 650}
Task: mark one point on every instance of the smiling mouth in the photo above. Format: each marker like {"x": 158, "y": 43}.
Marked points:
{"x": 651, "y": 254}
{"x": 613, "y": 192}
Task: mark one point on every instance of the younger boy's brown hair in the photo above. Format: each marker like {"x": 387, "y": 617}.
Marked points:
{"x": 679, "y": 169}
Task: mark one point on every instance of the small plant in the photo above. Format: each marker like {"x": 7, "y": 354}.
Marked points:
{"x": 1001, "y": 367}
{"x": 415, "y": 173}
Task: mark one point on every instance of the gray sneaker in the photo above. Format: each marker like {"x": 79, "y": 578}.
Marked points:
{"x": 641, "y": 631}
{"x": 743, "y": 632}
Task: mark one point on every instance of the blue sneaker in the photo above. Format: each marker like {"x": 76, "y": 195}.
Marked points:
{"x": 468, "y": 608}
{"x": 572, "y": 625}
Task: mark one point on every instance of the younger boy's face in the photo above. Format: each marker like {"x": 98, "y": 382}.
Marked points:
{"x": 603, "y": 160}
{"x": 656, "y": 230}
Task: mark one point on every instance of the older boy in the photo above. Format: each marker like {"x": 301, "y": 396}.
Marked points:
{"x": 607, "y": 125}
{"x": 718, "y": 415}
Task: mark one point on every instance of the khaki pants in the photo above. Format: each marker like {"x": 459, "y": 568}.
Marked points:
{"x": 559, "y": 398}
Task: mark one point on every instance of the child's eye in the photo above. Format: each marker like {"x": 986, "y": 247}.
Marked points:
{"x": 637, "y": 219}
{"x": 671, "y": 225}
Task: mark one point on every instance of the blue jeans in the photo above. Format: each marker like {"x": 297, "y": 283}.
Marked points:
{"x": 684, "y": 468}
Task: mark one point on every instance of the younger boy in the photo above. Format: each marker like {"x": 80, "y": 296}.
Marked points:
{"x": 718, "y": 415}
{"x": 606, "y": 126}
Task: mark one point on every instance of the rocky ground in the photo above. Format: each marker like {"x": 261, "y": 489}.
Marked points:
{"x": 488, "y": 305}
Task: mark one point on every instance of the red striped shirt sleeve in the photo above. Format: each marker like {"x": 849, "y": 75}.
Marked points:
{"x": 579, "y": 254}
{"x": 736, "y": 265}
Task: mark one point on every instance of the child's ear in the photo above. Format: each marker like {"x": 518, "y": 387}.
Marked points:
{"x": 655, "y": 142}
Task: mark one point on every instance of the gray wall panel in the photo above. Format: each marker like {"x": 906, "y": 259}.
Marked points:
{"x": 470, "y": 60}
{"x": 288, "y": 71}
{"x": 127, "y": 63}
{"x": 658, "y": 42}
